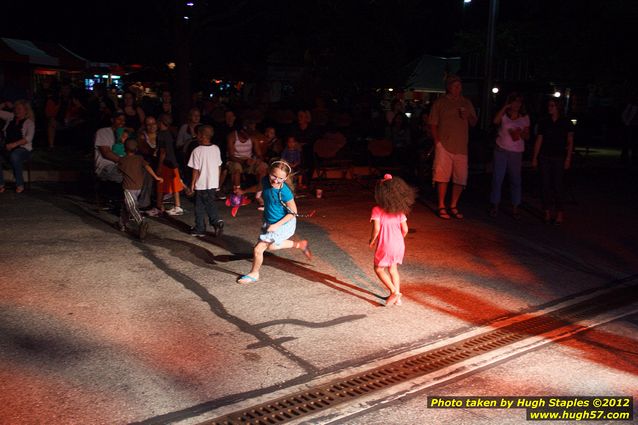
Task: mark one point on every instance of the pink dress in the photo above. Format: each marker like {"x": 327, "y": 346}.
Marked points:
{"x": 390, "y": 245}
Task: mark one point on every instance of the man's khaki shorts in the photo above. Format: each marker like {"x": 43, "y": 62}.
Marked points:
{"x": 448, "y": 165}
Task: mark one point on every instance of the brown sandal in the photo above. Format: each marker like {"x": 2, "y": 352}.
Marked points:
{"x": 454, "y": 212}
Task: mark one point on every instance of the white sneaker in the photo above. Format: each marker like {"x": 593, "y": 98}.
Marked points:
{"x": 175, "y": 211}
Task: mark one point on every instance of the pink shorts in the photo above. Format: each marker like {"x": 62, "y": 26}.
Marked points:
{"x": 448, "y": 165}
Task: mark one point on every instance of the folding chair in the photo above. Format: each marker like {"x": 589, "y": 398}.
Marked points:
{"x": 329, "y": 157}
{"x": 380, "y": 160}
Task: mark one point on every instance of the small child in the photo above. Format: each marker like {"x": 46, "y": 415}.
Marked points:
{"x": 292, "y": 155}
{"x": 271, "y": 146}
{"x": 121, "y": 135}
{"x": 279, "y": 220}
{"x": 389, "y": 227}
{"x": 168, "y": 167}
{"x": 206, "y": 162}
{"x": 132, "y": 167}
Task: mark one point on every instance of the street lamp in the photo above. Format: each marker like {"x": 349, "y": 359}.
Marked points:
{"x": 489, "y": 58}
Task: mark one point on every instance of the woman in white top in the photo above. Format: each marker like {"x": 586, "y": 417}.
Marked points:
{"x": 17, "y": 139}
{"x": 513, "y": 130}
{"x": 243, "y": 157}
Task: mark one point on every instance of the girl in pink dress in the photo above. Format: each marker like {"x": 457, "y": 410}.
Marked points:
{"x": 389, "y": 227}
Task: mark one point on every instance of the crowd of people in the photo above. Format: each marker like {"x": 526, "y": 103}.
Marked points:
{"x": 450, "y": 119}
{"x": 219, "y": 151}
{"x": 250, "y": 138}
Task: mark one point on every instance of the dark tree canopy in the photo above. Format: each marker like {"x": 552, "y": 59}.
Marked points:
{"x": 362, "y": 42}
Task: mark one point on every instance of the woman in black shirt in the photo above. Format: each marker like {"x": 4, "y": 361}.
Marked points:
{"x": 552, "y": 155}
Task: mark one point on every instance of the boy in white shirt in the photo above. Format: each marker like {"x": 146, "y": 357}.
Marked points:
{"x": 205, "y": 160}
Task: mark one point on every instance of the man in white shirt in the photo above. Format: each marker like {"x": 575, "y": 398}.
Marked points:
{"x": 105, "y": 159}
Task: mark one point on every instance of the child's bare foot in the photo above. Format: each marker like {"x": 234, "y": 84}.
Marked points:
{"x": 392, "y": 299}
{"x": 303, "y": 246}
{"x": 399, "y": 299}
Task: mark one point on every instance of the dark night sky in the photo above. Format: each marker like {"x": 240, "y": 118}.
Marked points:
{"x": 134, "y": 31}
{"x": 373, "y": 35}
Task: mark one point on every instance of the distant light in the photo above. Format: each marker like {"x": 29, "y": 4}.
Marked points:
{"x": 119, "y": 96}
{"x": 467, "y": 1}
{"x": 408, "y": 114}
{"x": 186, "y": 18}
{"x": 190, "y": 4}
{"x": 494, "y": 90}
{"x": 390, "y": 89}
{"x": 171, "y": 65}
{"x": 574, "y": 121}
{"x": 556, "y": 94}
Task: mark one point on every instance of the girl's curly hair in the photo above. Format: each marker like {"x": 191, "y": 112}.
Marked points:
{"x": 394, "y": 195}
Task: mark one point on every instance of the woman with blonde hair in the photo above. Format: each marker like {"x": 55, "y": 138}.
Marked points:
{"x": 17, "y": 139}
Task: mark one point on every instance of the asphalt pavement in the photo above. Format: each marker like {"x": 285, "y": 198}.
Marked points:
{"x": 99, "y": 327}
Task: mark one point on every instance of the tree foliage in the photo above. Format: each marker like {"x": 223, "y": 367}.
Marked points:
{"x": 586, "y": 41}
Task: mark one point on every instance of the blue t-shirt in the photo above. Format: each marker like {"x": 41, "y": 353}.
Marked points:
{"x": 273, "y": 210}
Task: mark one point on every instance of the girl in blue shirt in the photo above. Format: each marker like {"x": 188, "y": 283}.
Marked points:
{"x": 280, "y": 218}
